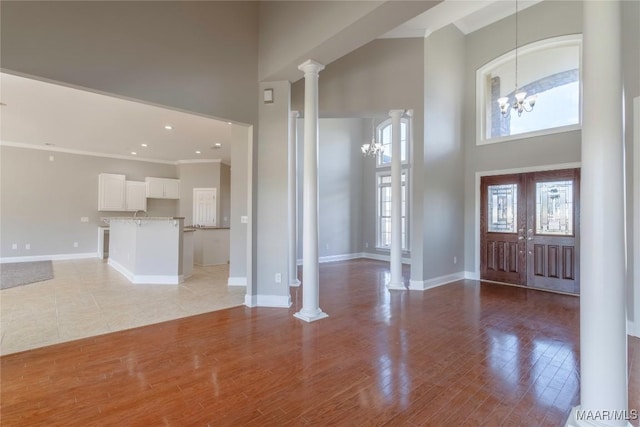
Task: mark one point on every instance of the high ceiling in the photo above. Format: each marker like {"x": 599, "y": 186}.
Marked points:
{"x": 54, "y": 117}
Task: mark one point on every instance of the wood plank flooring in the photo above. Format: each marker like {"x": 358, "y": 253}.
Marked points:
{"x": 465, "y": 354}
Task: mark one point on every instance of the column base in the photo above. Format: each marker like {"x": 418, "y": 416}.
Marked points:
{"x": 587, "y": 418}
{"x": 310, "y": 317}
{"x": 396, "y": 287}
{"x": 295, "y": 283}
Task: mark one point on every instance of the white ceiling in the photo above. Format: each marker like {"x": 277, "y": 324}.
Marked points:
{"x": 54, "y": 117}
{"x": 62, "y": 118}
{"x": 467, "y": 15}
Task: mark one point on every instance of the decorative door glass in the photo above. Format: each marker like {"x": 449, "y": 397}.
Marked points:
{"x": 502, "y": 208}
{"x": 554, "y": 208}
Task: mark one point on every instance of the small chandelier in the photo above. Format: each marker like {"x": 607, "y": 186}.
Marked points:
{"x": 374, "y": 148}
{"x": 522, "y": 102}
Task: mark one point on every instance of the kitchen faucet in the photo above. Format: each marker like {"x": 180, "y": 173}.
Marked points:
{"x": 135, "y": 215}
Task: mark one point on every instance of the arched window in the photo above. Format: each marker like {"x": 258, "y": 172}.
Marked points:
{"x": 549, "y": 69}
{"x": 383, "y": 185}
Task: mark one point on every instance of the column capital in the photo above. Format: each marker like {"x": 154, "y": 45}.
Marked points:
{"x": 311, "y": 66}
{"x": 409, "y": 112}
{"x": 396, "y": 113}
{"x": 294, "y": 114}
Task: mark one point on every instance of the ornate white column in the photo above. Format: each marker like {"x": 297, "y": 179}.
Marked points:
{"x": 396, "y": 203}
{"x": 603, "y": 336}
{"x": 310, "y": 293}
{"x": 293, "y": 202}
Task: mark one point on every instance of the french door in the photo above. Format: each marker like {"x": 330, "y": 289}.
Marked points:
{"x": 529, "y": 229}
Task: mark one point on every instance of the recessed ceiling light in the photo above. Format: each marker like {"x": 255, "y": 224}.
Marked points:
{"x": 143, "y": 145}
{"x": 217, "y": 144}
{"x": 168, "y": 127}
{"x": 134, "y": 153}
{"x": 229, "y": 123}
{"x": 197, "y": 151}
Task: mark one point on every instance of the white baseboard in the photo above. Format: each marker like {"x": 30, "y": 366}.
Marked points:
{"x": 57, "y": 257}
{"x": 471, "y": 275}
{"x": 380, "y": 257}
{"x": 237, "y": 281}
{"x": 146, "y": 279}
{"x": 280, "y": 301}
{"x": 422, "y": 285}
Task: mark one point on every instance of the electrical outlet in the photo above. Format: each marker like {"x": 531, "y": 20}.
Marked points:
{"x": 455, "y": 259}
{"x": 366, "y": 244}
{"x": 14, "y": 246}
{"x": 51, "y": 158}
{"x": 278, "y": 278}
{"x": 327, "y": 246}
{"x": 84, "y": 219}
{"x": 75, "y": 244}
{"x": 27, "y": 246}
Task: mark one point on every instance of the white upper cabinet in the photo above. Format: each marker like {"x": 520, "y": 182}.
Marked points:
{"x": 163, "y": 188}
{"x": 135, "y": 196}
{"x": 111, "y": 190}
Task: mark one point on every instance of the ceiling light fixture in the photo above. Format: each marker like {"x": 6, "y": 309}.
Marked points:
{"x": 217, "y": 144}
{"x": 374, "y": 148}
{"x": 521, "y": 101}
{"x": 134, "y": 153}
{"x": 168, "y": 127}
{"x": 143, "y": 145}
{"x": 197, "y": 151}
{"x": 229, "y": 123}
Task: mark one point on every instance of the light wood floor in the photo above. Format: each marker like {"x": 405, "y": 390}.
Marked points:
{"x": 461, "y": 354}
{"x": 87, "y": 297}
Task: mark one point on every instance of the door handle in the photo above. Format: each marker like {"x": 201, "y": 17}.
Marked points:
{"x": 520, "y": 237}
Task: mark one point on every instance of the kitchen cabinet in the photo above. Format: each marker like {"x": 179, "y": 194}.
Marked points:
{"x": 135, "y": 196}
{"x": 111, "y": 188}
{"x": 163, "y": 188}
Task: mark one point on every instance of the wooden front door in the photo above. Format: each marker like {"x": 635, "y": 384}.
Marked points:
{"x": 530, "y": 229}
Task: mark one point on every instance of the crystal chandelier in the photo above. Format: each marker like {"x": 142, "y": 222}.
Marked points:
{"x": 521, "y": 101}
{"x": 374, "y": 148}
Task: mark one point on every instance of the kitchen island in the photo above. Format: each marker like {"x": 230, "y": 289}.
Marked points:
{"x": 150, "y": 250}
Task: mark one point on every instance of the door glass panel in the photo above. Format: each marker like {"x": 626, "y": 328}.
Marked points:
{"x": 554, "y": 208}
{"x": 502, "y": 207}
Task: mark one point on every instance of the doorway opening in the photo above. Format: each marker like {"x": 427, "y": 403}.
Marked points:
{"x": 529, "y": 229}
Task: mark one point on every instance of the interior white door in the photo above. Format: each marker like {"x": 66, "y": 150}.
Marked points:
{"x": 204, "y": 207}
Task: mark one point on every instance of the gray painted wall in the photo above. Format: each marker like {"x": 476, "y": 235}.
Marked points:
{"x": 544, "y": 20}
{"x": 197, "y": 175}
{"x": 241, "y": 144}
{"x": 43, "y": 200}
{"x": 443, "y": 184}
{"x": 194, "y": 56}
{"x": 382, "y": 75}
{"x": 340, "y": 208}
{"x": 272, "y": 213}
{"x": 224, "y": 196}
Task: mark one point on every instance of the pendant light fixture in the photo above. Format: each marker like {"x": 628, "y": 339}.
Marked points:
{"x": 374, "y": 148}
{"x": 521, "y": 101}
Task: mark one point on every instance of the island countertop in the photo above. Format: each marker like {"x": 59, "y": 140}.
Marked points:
{"x": 146, "y": 218}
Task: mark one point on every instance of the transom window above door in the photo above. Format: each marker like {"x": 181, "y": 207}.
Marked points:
{"x": 548, "y": 69}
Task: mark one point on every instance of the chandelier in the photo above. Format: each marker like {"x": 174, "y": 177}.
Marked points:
{"x": 374, "y": 148}
{"x": 521, "y": 101}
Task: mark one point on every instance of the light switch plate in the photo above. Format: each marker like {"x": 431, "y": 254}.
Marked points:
{"x": 244, "y": 219}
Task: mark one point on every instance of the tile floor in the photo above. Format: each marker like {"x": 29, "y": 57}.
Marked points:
{"x": 87, "y": 298}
